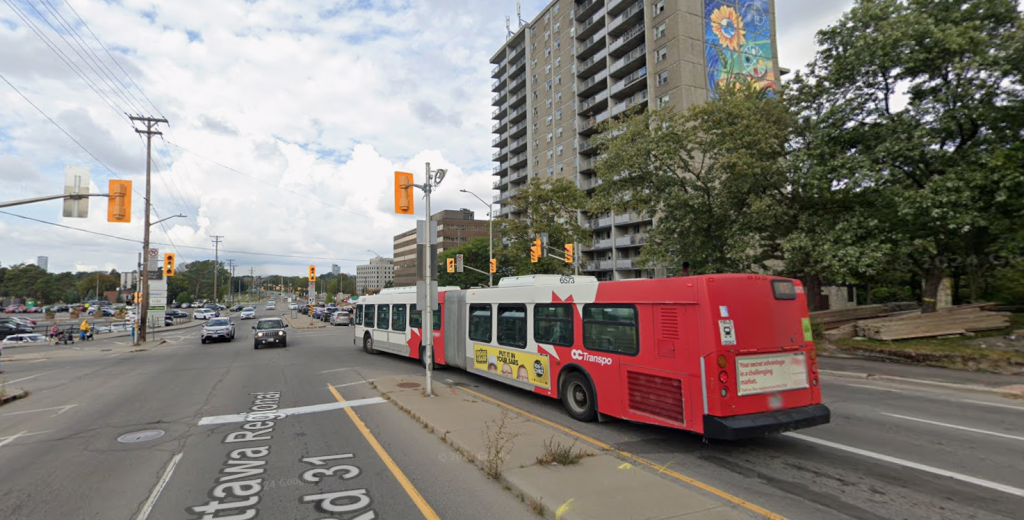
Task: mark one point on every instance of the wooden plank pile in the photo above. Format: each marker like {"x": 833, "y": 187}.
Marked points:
{"x": 896, "y": 321}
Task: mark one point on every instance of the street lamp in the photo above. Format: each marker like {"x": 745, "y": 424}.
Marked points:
{"x": 490, "y": 236}
{"x": 143, "y": 306}
{"x": 168, "y": 218}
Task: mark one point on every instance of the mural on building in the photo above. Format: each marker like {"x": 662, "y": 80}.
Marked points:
{"x": 738, "y": 44}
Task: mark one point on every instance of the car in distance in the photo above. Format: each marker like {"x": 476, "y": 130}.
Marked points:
{"x": 217, "y": 329}
{"x": 341, "y": 318}
{"x": 271, "y": 306}
{"x": 248, "y": 313}
{"x": 236, "y": 308}
{"x": 293, "y": 306}
{"x": 270, "y": 331}
{"x": 24, "y": 339}
{"x": 203, "y": 314}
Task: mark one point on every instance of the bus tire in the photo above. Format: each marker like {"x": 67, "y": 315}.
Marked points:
{"x": 368, "y": 344}
{"x": 579, "y": 397}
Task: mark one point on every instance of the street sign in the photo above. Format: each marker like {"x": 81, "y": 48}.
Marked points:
{"x": 458, "y": 264}
{"x": 76, "y": 182}
{"x": 155, "y": 275}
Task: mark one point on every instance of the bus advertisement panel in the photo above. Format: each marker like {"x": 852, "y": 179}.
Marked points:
{"x": 522, "y": 366}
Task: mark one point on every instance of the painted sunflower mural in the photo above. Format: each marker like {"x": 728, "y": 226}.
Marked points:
{"x": 738, "y": 44}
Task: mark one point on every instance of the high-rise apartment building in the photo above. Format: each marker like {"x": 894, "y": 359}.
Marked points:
{"x": 335, "y": 269}
{"x": 580, "y": 63}
{"x": 375, "y": 275}
{"x": 454, "y": 228}
{"x": 43, "y": 262}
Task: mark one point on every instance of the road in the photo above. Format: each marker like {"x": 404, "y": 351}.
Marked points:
{"x": 893, "y": 451}
{"x": 60, "y": 454}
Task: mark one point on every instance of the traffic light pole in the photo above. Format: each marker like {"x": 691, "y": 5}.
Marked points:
{"x": 427, "y": 318}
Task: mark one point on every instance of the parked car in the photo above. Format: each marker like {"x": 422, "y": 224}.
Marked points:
{"x": 248, "y": 313}
{"x": 341, "y": 318}
{"x": 236, "y": 308}
{"x": 203, "y": 314}
{"x": 17, "y": 327}
{"x": 174, "y": 313}
{"x": 23, "y": 339}
{"x": 326, "y": 315}
{"x": 270, "y": 331}
{"x": 185, "y": 305}
{"x": 293, "y": 306}
{"x": 217, "y": 329}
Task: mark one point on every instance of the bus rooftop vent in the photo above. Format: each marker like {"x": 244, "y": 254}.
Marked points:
{"x": 536, "y": 280}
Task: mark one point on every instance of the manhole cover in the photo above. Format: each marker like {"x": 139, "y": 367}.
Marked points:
{"x": 408, "y": 385}
{"x": 142, "y": 436}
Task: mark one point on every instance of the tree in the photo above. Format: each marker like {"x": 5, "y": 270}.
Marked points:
{"x": 474, "y": 254}
{"x": 709, "y": 174}
{"x": 545, "y": 206}
{"x": 936, "y": 177}
{"x": 104, "y": 281}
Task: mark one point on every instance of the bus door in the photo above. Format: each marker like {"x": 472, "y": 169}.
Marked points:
{"x": 658, "y": 382}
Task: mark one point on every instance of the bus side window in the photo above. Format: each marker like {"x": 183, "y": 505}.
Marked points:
{"x": 398, "y": 317}
{"x": 436, "y": 317}
{"x": 480, "y": 322}
{"x": 415, "y": 317}
{"x": 368, "y": 317}
{"x": 512, "y": 325}
{"x": 553, "y": 324}
{"x": 612, "y": 328}
{"x": 359, "y": 314}
{"x": 382, "y": 316}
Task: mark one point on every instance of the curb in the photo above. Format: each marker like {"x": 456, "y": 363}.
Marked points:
{"x": 998, "y": 390}
{"x": 13, "y": 397}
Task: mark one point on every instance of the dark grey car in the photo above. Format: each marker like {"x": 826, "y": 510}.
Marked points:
{"x": 270, "y": 331}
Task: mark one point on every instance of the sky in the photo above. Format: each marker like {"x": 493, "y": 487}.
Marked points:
{"x": 287, "y": 121}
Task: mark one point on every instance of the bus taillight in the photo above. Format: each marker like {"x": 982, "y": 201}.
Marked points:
{"x": 722, "y": 361}
{"x": 723, "y": 377}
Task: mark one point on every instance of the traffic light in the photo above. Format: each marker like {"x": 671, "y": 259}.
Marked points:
{"x": 403, "y": 193}
{"x": 312, "y": 273}
{"x": 568, "y": 253}
{"x": 119, "y": 204}
{"x": 536, "y": 252}
{"x": 451, "y": 265}
{"x": 494, "y": 265}
{"x": 168, "y": 264}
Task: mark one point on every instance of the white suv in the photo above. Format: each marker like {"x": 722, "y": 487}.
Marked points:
{"x": 203, "y": 314}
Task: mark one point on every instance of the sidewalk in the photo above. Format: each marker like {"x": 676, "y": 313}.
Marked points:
{"x": 301, "y": 321}
{"x": 866, "y": 369}
{"x": 600, "y": 486}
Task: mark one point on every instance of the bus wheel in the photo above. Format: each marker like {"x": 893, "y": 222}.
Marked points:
{"x": 579, "y": 398}
{"x": 368, "y": 344}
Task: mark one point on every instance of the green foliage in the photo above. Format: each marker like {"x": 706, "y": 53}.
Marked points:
{"x": 708, "y": 173}
{"x": 474, "y": 254}
{"x": 545, "y": 206}
{"x": 1008, "y": 284}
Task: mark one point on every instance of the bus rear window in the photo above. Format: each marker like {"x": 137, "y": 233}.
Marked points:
{"x": 784, "y": 289}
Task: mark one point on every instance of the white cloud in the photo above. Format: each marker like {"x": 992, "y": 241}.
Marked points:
{"x": 317, "y": 103}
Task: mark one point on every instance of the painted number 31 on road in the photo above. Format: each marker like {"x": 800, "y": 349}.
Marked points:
{"x": 349, "y": 501}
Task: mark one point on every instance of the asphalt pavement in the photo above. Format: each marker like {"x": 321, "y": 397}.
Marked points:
{"x": 183, "y": 430}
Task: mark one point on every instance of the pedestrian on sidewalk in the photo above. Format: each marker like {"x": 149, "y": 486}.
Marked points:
{"x": 83, "y": 328}
{"x": 54, "y": 334}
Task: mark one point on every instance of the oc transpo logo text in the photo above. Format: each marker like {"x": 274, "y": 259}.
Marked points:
{"x": 579, "y": 355}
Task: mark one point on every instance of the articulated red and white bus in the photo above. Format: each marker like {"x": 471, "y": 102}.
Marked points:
{"x": 727, "y": 356}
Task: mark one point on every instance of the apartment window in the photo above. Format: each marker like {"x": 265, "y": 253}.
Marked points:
{"x": 547, "y": 102}
{"x": 512, "y": 325}
{"x": 549, "y": 137}
{"x": 662, "y": 77}
{"x": 535, "y": 126}
{"x": 558, "y": 79}
{"x": 559, "y": 149}
{"x": 480, "y": 322}
{"x": 536, "y": 160}
{"x": 558, "y": 61}
{"x": 533, "y": 46}
{"x": 612, "y": 328}
{"x": 547, "y": 34}
{"x": 561, "y": 167}
{"x": 659, "y": 7}
{"x": 551, "y": 154}
{"x": 558, "y": 96}
{"x": 551, "y": 171}
{"x": 558, "y": 43}
{"x": 535, "y": 143}
{"x": 662, "y": 101}
{"x": 534, "y": 78}
{"x": 659, "y": 31}
{"x": 535, "y": 111}
{"x": 555, "y": 10}
{"x": 533, "y": 64}
{"x": 558, "y": 25}
{"x": 558, "y": 114}
{"x": 547, "y": 69}
{"x": 549, "y": 120}
{"x": 558, "y": 132}
{"x": 548, "y": 85}
{"x": 661, "y": 54}
{"x": 547, "y": 52}
{"x": 534, "y": 94}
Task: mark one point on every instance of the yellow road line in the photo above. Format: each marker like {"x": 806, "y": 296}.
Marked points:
{"x": 417, "y": 498}
{"x": 661, "y": 469}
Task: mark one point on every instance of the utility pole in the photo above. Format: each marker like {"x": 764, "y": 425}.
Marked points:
{"x": 216, "y": 263}
{"x": 231, "y": 281}
{"x": 252, "y": 280}
{"x": 149, "y": 132}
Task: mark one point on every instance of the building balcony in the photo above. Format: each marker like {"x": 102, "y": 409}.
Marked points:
{"x": 626, "y": 19}
{"x": 516, "y": 82}
{"x": 500, "y": 169}
{"x": 502, "y": 182}
{"x": 586, "y": 147}
{"x": 630, "y": 218}
{"x": 635, "y": 99}
{"x": 505, "y": 211}
{"x": 597, "y": 223}
{"x": 514, "y": 53}
{"x": 593, "y": 104}
{"x": 496, "y": 141}
{"x": 590, "y": 47}
{"x": 599, "y": 265}
{"x": 587, "y": 28}
{"x": 517, "y": 161}
{"x": 500, "y": 155}
{"x": 516, "y": 100}
{"x": 517, "y": 67}
{"x": 598, "y": 245}
{"x": 629, "y": 63}
{"x": 519, "y": 145}
{"x": 631, "y": 241}
{"x": 615, "y": 7}
{"x": 517, "y": 115}
{"x": 625, "y": 265}
{"x": 500, "y": 112}
{"x": 499, "y": 98}
{"x": 592, "y": 182}
{"x": 589, "y": 126}
{"x": 587, "y": 9}
{"x": 517, "y": 130}
{"x": 517, "y": 175}
{"x": 633, "y": 82}
{"x": 592, "y": 65}
{"x": 593, "y": 85}
{"x": 627, "y": 41}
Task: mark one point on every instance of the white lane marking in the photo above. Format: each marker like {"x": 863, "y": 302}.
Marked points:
{"x": 114, "y": 355}
{"x": 955, "y": 427}
{"x": 30, "y": 377}
{"x": 11, "y": 438}
{"x": 242, "y": 417}
{"x": 148, "y": 507}
{"x": 61, "y": 408}
{"x": 1010, "y": 406}
{"x": 37, "y": 361}
{"x": 355, "y": 383}
{"x": 870, "y": 387}
{"x": 914, "y": 465}
{"x": 337, "y": 370}
{"x": 25, "y": 435}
